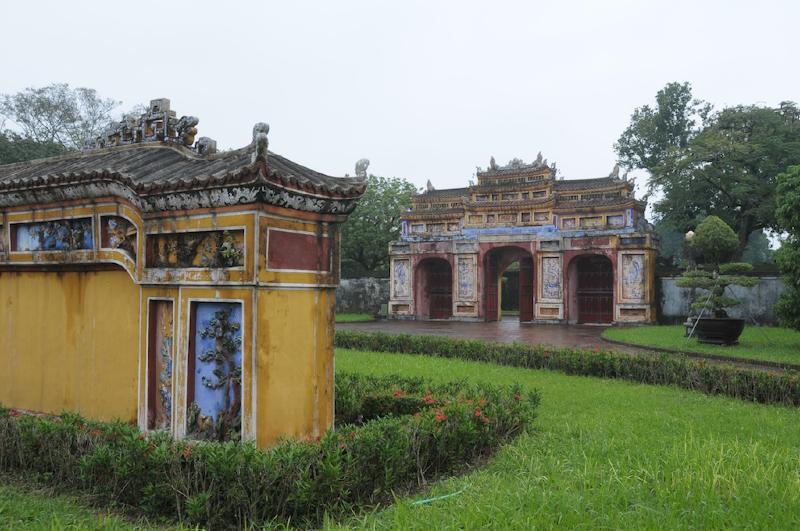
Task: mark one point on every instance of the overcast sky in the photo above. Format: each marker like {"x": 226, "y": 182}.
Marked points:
{"x": 424, "y": 89}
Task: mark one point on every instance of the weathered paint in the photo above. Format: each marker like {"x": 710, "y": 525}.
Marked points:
{"x": 98, "y": 322}
{"x": 69, "y": 342}
{"x": 294, "y": 363}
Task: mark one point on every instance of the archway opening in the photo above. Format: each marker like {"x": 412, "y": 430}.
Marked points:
{"x": 592, "y": 290}
{"x": 508, "y": 283}
{"x": 434, "y": 289}
{"x": 509, "y": 291}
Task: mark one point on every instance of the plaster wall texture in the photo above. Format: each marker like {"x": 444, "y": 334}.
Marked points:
{"x": 294, "y": 364}
{"x": 70, "y": 342}
{"x": 757, "y": 302}
{"x": 362, "y": 295}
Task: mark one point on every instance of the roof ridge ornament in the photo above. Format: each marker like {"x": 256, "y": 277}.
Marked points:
{"x": 515, "y": 164}
{"x": 157, "y": 124}
{"x": 361, "y": 168}
{"x": 260, "y": 141}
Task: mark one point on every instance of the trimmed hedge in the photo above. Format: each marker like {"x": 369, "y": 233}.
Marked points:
{"x": 398, "y": 433}
{"x": 697, "y": 375}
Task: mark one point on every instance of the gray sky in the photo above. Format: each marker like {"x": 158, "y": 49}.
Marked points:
{"x": 424, "y": 89}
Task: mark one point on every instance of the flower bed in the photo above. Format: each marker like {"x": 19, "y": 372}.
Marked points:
{"x": 393, "y": 433}
{"x": 698, "y": 375}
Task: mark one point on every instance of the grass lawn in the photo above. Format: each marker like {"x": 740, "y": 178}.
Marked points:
{"x": 611, "y": 454}
{"x": 27, "y": 508}
{"x": 353, "y": 317}
{"x": 761, "y": 343}
{"x": 604, "y": 454}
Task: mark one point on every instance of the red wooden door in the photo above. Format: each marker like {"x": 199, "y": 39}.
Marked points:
{"x": 440, "y": 290}
{"x": 526, "y": 289}
{"x": 491, "y": 279}
{"x": 595, "y": 290}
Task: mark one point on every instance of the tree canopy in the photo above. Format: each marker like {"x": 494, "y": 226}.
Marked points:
{"x": 712, "y": 163}
{"x": 788, "y": 256}
{"x": 15, "y": 148}
{"x": 373, "y": 224}
{"x": 58, "y": 114}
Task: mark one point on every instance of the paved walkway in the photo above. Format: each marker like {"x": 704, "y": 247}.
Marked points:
{"x": 509, "y": 330}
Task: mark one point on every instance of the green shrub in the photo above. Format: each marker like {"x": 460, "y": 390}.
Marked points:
{"x": 393, "y": 433}
{"x": 752, "y": 385}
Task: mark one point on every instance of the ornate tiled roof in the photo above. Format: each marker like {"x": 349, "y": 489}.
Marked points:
{"x": 587, "y": 184}
{"x": 162, "y": 175}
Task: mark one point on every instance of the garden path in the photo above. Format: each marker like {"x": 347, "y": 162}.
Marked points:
{"x": 510, "y": 330}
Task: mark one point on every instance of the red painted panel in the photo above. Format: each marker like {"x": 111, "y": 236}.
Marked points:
{"x": 298, "y": 251}
{"x": 491, "y": 274}
{"x": 526, "y": 289}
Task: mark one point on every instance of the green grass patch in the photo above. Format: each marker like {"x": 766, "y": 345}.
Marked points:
{"x": 354, "y": 317}
{"x": 760, "y": 343}
{"x": 610, "y": 454}
{"x": 25, "y": 507}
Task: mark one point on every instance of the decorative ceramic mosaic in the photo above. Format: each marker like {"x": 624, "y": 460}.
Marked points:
{"x": 402, "y": 280}
{"x": 119, "y": 233}
{"x": 633, "y": 276}
{"x": 551, "y": 277}
{"x": 215, "y": 393}
{"x": 57, "y": 235}
{"x": 466, "y": 278}
{"x": 215, "y": 249}
{"x": 161, "y": 357}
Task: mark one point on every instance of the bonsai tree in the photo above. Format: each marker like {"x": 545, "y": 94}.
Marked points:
{"x": 712, "y": 244}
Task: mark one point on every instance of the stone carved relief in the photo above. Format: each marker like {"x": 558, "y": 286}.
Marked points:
{"x": 119, "y": 233}
{"x": 633, "y": 276}
{"x": 57, "y": 235}
{"x": 402, "y": 279}
{"x": 466, "y": 278}
{"x": 551, "y": 277}
{"x": 207, "y": 249}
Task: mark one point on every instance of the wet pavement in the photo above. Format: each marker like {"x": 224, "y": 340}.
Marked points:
{"x": 509, "y": 330}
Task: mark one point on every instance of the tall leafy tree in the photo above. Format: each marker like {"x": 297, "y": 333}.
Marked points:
{"x": 788, "y": 256}
{"x": 704, "y": 163}
{"x": 658, "y": 133}
{"x": 372, "y": 225}
{"x": 58, "y": 114}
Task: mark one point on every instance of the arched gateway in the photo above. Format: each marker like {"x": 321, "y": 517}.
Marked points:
{"x": 577, "y": 251}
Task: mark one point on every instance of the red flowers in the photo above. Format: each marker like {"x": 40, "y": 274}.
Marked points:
{"x": 440, "y": 416}
{"x": 517, "y": 396}
{"x": 398, "y": 393}
{"x": 14, "y": 413}
{"x": 428, "y": 398}
{"x": 477, "y": 413}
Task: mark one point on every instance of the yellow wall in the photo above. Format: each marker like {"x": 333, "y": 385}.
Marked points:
{"x": 70, "y": 342}
{"x": 294, "y": 352}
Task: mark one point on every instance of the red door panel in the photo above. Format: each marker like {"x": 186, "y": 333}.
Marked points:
{"x": 595, "y": 290}
{"x": 490, "y": 290}
{"x": 526, "y": 289}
